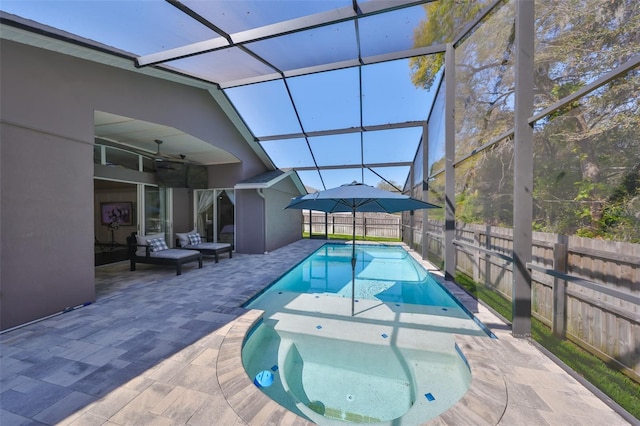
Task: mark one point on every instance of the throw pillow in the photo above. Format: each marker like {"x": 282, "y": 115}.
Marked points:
{"x": 194, "y": 239}
{"x": 143, "y": 240}
{"x": 183, "y": 238}
{"x": 158, "y": 244}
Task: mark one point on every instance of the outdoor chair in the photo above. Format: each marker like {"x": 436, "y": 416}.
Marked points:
{"x": 152, "y": 249}
{"x": 194, "y": 241}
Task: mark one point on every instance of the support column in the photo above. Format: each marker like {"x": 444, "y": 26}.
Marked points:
{"x": 425, "y": 187}
{"x": 523, "y": 168}
{"x": 450, "y": 158}
{"x": 559, "y": 314}
{"x": 411, "y": 219}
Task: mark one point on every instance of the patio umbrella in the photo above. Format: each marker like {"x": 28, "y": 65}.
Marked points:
{"x": 357, "y": 197}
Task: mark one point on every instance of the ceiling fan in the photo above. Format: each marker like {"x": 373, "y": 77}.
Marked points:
{"x": 166, "y": 157}
{"x": 158, "y": 156}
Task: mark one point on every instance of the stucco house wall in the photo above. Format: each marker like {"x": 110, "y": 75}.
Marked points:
{"x": 282, "y": 226}
{"x": 46, "y": 160}
{"x": 260, "y": 212}
{"x": 250, "y": 225}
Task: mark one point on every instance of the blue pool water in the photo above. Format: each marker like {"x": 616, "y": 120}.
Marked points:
{"x": 394, "y": 363}
{"x": 335, "y": 380}
{"x": 385, "y": 273}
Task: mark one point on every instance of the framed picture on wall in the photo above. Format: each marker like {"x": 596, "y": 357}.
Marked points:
{"x": 120, "y": 212}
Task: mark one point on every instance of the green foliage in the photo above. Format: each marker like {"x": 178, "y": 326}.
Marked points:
{"x": 613, "y": 383}
{"x": 584, "y": 152}
{"x": 443, "y": 20}
{"x": 591, "y": 144}
{"x": 467, "y": 207}
{"x": 562, "y": 90}
{"x": 585, "y": 233}
{"x": 424, "y": 69}
{"x": 391, "y": 185}
{"x": 484, "y": 187}
{"x": 621, "y": 213}
{"x": 493, "y": 299}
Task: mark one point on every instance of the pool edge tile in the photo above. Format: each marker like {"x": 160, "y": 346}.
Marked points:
{"x": 237, "y": 387}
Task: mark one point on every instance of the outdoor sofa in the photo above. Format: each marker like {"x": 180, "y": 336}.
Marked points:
{"x": 152, "y": 249}
{"x": 194, "y": 241}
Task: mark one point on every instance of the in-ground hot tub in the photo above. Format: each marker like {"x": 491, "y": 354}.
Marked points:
{"x": 331, "y": 380}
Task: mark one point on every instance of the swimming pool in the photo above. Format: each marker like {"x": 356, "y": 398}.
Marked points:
{"x": 395, "y": 362}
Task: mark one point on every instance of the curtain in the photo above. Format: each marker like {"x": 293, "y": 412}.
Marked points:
{"x": 204, "y": 200}
{"x": 232, "y": 195}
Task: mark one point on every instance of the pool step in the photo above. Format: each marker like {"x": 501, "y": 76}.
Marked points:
{"x": 357, "y": 330}
{"x": 336, "y": 413}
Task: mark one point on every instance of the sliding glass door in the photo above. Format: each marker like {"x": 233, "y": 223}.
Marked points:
{"x": 156, "y": 213}
{"x": 225, "y": 211}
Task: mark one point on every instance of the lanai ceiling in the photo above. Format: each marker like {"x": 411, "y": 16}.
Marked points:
{"x": 323, "y": 87}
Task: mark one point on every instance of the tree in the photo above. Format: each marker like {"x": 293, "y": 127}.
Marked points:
{"x": 444, "y": 20}
{"x": 388, "y": 186}
{"x": 583, "y": 151}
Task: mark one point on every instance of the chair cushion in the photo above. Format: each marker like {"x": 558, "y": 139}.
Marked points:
{"x": 209, "y": 246}
{"x": 183, "y": 237}
{"x": 174, "y": 253}
{"x": 158, "y": 244}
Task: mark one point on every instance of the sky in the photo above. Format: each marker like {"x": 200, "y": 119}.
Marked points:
{"x": 331, "y": 100}
{"x": 321, "y": 101}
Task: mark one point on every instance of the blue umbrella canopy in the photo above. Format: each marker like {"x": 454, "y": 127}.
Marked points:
{"x": 357, "y": 197}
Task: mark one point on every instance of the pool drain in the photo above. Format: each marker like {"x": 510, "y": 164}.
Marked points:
{"x": 349, "y": 397}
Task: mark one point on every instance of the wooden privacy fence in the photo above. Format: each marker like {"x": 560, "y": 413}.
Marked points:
{"x": 367, "y": 224}
{"x": 585, "y": 290}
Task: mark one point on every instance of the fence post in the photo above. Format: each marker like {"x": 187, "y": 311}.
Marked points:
{"x": 476, "y": 256}
{"x": 559, "y": 290}
{"x": 364, "y": 227}
{"x": 488, "y": 243}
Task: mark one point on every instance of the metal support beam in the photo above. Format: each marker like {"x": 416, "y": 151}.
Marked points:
{"x": 412, "y": 222}
{"x": 425, "y": 187}
{"x": 523, "y": 169}
{"x": 322, "y": 19}
{"x": 450, "y": 158}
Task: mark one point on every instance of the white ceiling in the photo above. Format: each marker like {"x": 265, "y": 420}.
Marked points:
{"x": 141, "y": 135}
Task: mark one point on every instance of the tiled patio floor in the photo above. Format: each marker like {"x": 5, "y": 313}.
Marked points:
{"x": 160, "y": 349}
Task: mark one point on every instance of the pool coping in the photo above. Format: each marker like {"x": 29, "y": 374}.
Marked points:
{"x": 247, "y": 401}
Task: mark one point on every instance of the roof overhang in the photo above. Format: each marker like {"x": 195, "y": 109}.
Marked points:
{"x": 291, "y": 174}
{"x": 25, "y": 31}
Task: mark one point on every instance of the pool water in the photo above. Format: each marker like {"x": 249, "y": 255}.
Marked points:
{"x": 394, "y": 362}
{"x": 385, "y": 273}
{"x": 331, "y": 381}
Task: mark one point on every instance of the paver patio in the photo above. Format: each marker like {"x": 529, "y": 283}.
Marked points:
{"x": 161, "y": 349}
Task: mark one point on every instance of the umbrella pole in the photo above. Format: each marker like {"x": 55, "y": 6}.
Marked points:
{"x": 353, "y": 265}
